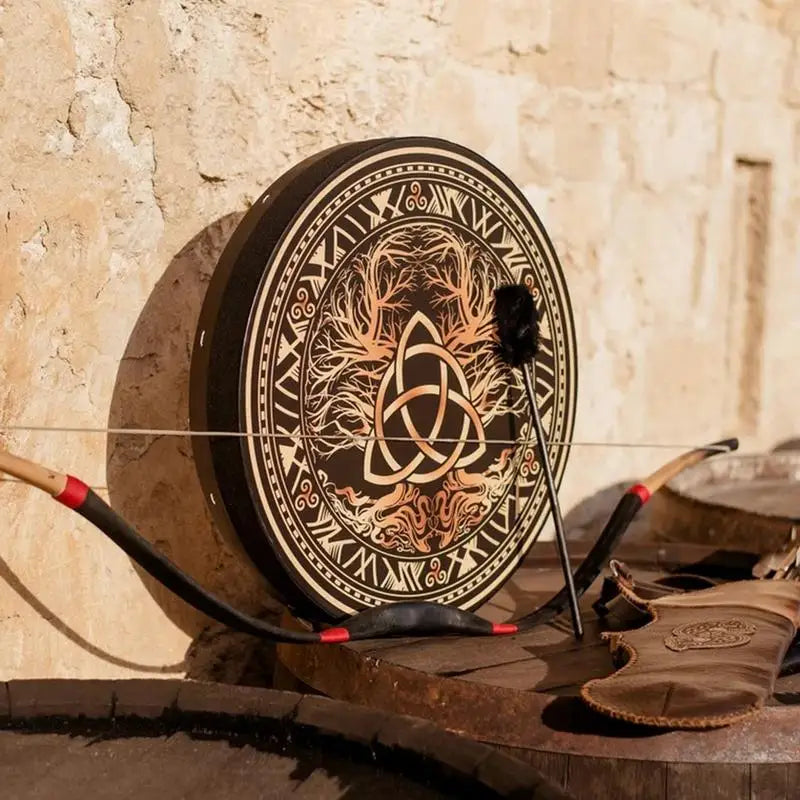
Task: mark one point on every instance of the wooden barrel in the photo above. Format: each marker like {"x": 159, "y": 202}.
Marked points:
{"x": 749, "y": 501}
{"x": 520, "y": 693}
{"x": 178, "y": 739}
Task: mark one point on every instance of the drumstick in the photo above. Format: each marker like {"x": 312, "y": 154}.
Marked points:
{"x": 517, "y": 324}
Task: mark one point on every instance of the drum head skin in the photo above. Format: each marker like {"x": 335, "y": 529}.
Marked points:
{"x": 349, "y": 325}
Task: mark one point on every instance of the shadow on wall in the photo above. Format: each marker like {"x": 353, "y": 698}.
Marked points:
{"x": 586, "y": 520}
{"x": 10, "y": 577}
{"x": 221, "y": 655}
{"x": 787, "y": 445}
{"x": 152, "y": 480}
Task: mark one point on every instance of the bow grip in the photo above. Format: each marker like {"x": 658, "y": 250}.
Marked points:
{"x": 415, "y": 618}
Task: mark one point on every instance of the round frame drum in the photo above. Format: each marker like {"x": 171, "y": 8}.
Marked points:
{"x": 348, "y": 330}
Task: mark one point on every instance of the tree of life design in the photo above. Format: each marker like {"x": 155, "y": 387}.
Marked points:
{"x": 402, "y": 353}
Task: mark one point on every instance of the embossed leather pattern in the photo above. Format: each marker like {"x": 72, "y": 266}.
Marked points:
{"x": 708, "y": 658}
{"x": 710, "y": 635}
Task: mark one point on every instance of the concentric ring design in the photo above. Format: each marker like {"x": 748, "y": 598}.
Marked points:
{"x": 369, "y": 347}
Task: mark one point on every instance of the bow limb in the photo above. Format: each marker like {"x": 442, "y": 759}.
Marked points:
{"x": 420, "y": 618}
{"x": 672, "y": 468}
{"x": 54, "y": 483}
{"x": 409, "y": 618}
{"x": 622, "y": 516}
{"x": 75, "y": 494}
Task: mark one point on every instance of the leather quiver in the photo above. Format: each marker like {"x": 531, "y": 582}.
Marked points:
{"x": 708, "y": 658}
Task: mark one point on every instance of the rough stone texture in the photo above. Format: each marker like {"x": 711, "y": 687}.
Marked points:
{"x": 135, "y": 134}
{"x": 751, "y": 61}
{"x": 669, "y": 43}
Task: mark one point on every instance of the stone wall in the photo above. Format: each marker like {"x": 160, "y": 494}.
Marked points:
{"x": 657, "y": 139}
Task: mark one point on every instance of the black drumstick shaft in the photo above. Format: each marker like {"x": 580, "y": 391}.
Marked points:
{"x": 561, "y": 539}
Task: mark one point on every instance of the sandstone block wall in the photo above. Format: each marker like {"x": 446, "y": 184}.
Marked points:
{"x": 658, "y": 140}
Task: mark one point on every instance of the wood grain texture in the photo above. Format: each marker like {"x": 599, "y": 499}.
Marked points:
{"x": 520, "y": 692}
{"x": 182, "y": 767}
{"x": 68, "y": 740}
{"x": 551, "y": 765}
{"x": 589, "y": 778}
{"x": 770, "y": 782}
{"x": 708, "y": 781}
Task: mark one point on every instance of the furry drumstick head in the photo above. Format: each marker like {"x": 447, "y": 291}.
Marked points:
{"x": 517, "y": 322}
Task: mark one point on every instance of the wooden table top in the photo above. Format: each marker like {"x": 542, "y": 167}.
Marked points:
{"x": 522, "y": 691}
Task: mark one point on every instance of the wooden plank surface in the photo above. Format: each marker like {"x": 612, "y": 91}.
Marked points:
{"x": 556, "y": 671}
{"x": 182, "y": 767}
{"x": 545, "y": 659}
{"x": 551, "y": 765}
{"x": 593, "y": 778}
{"x": 708, "y": 781}
{"x": 519, "y": 694}
{"x": 770, "y": 782}
{"x": 509, "y": 690}
{"x": 180, "y": 739}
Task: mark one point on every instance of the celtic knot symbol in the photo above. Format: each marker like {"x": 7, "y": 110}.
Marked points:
{"x": 401, "y": 406}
